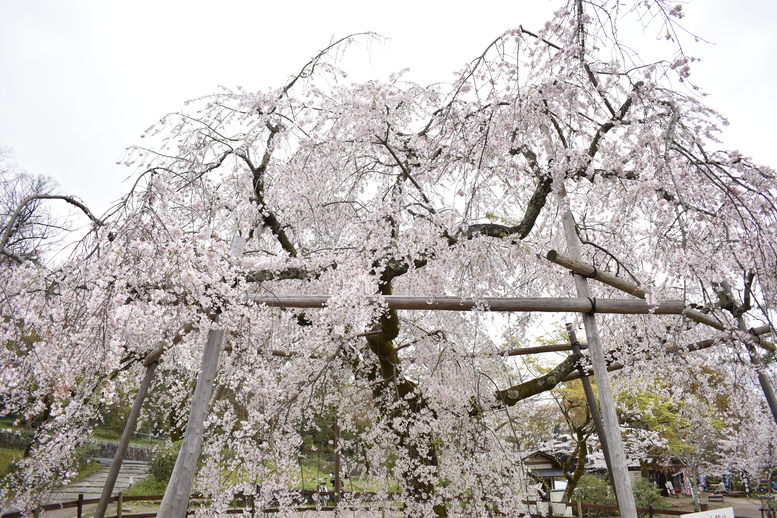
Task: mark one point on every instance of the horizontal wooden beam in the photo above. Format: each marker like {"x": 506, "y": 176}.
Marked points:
{"x": 502, "y": 304}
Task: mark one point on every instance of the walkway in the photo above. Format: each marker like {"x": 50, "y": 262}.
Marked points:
{"x": 744, "y": 507}
{"x": 132, "y": 471}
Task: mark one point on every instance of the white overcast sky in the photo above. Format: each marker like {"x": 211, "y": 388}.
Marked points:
{"x": 80, "y": 80}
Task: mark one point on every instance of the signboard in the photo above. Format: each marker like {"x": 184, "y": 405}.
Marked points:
{"x": 726, "y": 512}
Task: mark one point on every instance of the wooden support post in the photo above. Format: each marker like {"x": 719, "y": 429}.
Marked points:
{"x": 176, "y": 498}
{"x": 80, "y": 506}
{"x": 591, "y": 399}
{"x": 126, "y": 435}
{"x": 119, "y": 504}
{"x": 620, "y": 473}
{"x": 591, "y": 272}
{"x": 175, "y": 501}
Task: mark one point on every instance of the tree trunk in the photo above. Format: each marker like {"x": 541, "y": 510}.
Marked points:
{"x": 390, "y": 388}
{"x": 695, "y": 487}
{"x": 582, "y": 456}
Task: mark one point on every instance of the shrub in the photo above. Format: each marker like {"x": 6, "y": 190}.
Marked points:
{"x": 594, "y": 489}
{"x": 646, "y": 494}
{"x": 84, "y": 455}
{"x": 163, "y": 461}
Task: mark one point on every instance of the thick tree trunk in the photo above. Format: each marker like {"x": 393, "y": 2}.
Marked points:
{"x": 392, "y": 388}
{"x": 695, "y": 487}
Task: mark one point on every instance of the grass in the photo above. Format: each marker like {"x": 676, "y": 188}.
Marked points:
{"x": 7, "y": 422}
{"x": 111, "y": 435}
{"x": 147, "y": 486}
{"x": 7, "y": 457}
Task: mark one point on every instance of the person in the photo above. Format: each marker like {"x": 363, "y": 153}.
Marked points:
{"x": 321, "y": 491}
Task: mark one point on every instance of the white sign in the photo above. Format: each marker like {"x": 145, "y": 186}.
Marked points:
{"x": 726, "y": 512}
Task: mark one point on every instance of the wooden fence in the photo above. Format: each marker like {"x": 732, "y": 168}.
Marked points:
{"x": 324, "y": 499}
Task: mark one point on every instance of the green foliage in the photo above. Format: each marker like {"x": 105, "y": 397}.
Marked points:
{"x": 86, "y": 470}
{"x": 148, "y": 486}
{"x": 114, "y": 418}
{"x": 163, "y": 461}
{"x": 646, "y": 494}
{"x": 84, "y": 455}
{"x": 594, "y": 489}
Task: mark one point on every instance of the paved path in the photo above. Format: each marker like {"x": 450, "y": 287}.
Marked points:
{"x": 744, "y": 507}
{"x": 132, "y": 471}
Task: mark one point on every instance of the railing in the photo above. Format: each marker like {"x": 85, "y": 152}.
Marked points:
{"x": 650, "y": 510}
{"x": 324, "y": 500}
{"x": 241, "y": 503}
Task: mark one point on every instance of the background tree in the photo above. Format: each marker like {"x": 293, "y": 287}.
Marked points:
{"x": 27, "y": 226}
{"x": 32, "y": 224}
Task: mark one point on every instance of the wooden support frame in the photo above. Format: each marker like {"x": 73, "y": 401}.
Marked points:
{"x": 501, "y": 304}
{"x": 175, "y": 502}
{"x": 588, "y": 271}
{"x": 614, "y": 442}
{"x": 632, "y": 288}
{"x": 151, "y": 363}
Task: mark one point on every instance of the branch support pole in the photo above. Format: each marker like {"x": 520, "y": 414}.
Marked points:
{"x": 591, "y": 399}
{"x": 620, "y": 474}
{"x": 126, "y": 435}
{"x": 633, "y": 288}
{"x": 175, "y": 502}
